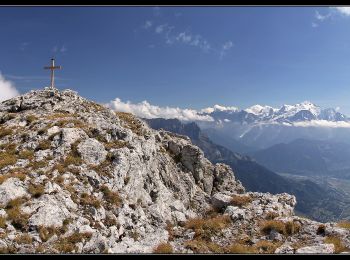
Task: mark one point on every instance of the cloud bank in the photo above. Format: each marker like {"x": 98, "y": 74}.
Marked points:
{"x": 323, "y": 123}
{"x": 7, "y": 89}
{"x": 146, "y": 110}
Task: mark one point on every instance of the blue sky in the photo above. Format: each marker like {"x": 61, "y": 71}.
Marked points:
{"x": 187, "y": 57}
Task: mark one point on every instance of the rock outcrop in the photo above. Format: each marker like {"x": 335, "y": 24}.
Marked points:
{"x": 76, "y": 177}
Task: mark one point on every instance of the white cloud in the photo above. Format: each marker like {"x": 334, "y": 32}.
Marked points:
{"x": 160, "y": 28}
{"x": 225, "y": 47}
{"x": 337, "y": 109}
{"x": 321, "y": 17}
{"x": 146, "y": 110}
{"x": 148, "y": 24}
{"x": 323, "y": 123}
{"x": 7, "y": 89}
{"x": 314, "y": 25}
{"x": 218, "y": 108}
{"x": 345, "y": 10}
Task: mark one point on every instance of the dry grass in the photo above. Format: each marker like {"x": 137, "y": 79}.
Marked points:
{"x": 338, "y": 244}
{"x": 267, "y": 247}
{"x": 131, "y": 122}
{"x": 238, "y": 248}
{"x": 12, "y": 174}
{"x": 240, "y": 200}
{"x": 7, "y": 159}
{"x": 2, "y": 222}
{"x": 111, "y": 197}
{"x": 23, "y": 239}
{"x": 67, "y": 244}
{"x": 267, "y": 226}
{"x": 31, "y": 118}
{"x": 116, "y": 144}
{"x": 37, "y": 164}
{"x": 292, "y": 228}
{"x": 26, "y": 154}
{"x": 18, "y": 219}
{"x": 344, "y": 224}
{"x": 163, "y": 248}
{"x": 77, "y": 123}
{"x": 271, "y": 215}
{"x": 36, "y": 190}
{"x": 45, "y": 233}
{"x": 206, "y": 228}
{"x": 43, "y": 145}
{"x": 89, "y": 200}
{"x": 202, "y": 246}
{"x": 5, "y": 132}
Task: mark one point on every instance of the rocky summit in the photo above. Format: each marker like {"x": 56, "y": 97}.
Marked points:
{"x": 76, "y": 177}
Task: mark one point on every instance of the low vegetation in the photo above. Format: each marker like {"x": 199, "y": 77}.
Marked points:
{"x": 13, "y": 174}
{"x": 26, "y": 154}
{"x": 240, "y": 200}
{"x": 89, "y": 200}
{"x": 111, "y": 197}
{"x": 67, "y": 244}
{"x": 36, "y": 190}
{"x": 5, "y": 132}
{"x": 2, "y": 222}
{"x": 163, "y": 248}
{"x": 344, "y": 224}
{"x": 284, "y": 228}
{"x": 31, "y": 118}
{"x": 14, "y": 214}
{"x": 23, "y": 239}
{"x": 205, "y": 228}
{"x": 338, "y": 244}
{"x": 131, "y": 122}
{"x": 43, "y": 145}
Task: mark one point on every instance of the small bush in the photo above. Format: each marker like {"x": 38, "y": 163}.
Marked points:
{"x": 89, "y": 200}
{"x": 163, "y": 248}
{"x": 338, "y": 244}
{"x": 18, "y": 219}
{"x": 67, "y": 244}
{"x": 110, "y": 221}
{"x": 23, "y": 239}
{"x": 43, "y": 145}
{"x": 269, "y": 225}
{"x": 292, "y": 228}
{"x": 36, "y": 190}
{"x": 5, "y": 132}
{"x": 271, "y": 215}
{"x": 240, "y": 201}
{"x": 31, "y": 118}
{"x": 45, "y": 233}
{"x": 206, "y": 228}
{"x": 202, "y": 246}
{"x": 266, "y": 247}
{"x": 111, "y": 196}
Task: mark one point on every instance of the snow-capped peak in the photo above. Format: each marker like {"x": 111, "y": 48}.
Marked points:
{"x": 290, "y": 110}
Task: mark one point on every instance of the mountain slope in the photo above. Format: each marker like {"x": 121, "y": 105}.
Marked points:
{"x": 312, "y": 199}
{"x": 76, "y": 177}
{"x": 306, "y": 157}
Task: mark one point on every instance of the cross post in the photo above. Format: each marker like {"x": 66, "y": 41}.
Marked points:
{"x": 53, "y": 68}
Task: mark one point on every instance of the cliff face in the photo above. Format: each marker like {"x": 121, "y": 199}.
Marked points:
{"x": 77, "y": 177}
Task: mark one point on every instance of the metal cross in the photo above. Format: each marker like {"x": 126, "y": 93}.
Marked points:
{"x": 53, "y": 68}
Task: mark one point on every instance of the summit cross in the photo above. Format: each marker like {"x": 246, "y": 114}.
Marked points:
{"x": 53, "y": 68}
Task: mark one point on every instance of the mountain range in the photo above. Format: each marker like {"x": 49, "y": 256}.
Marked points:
{"x": 260, "y": 127}
{"x": 315, "y": 201}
